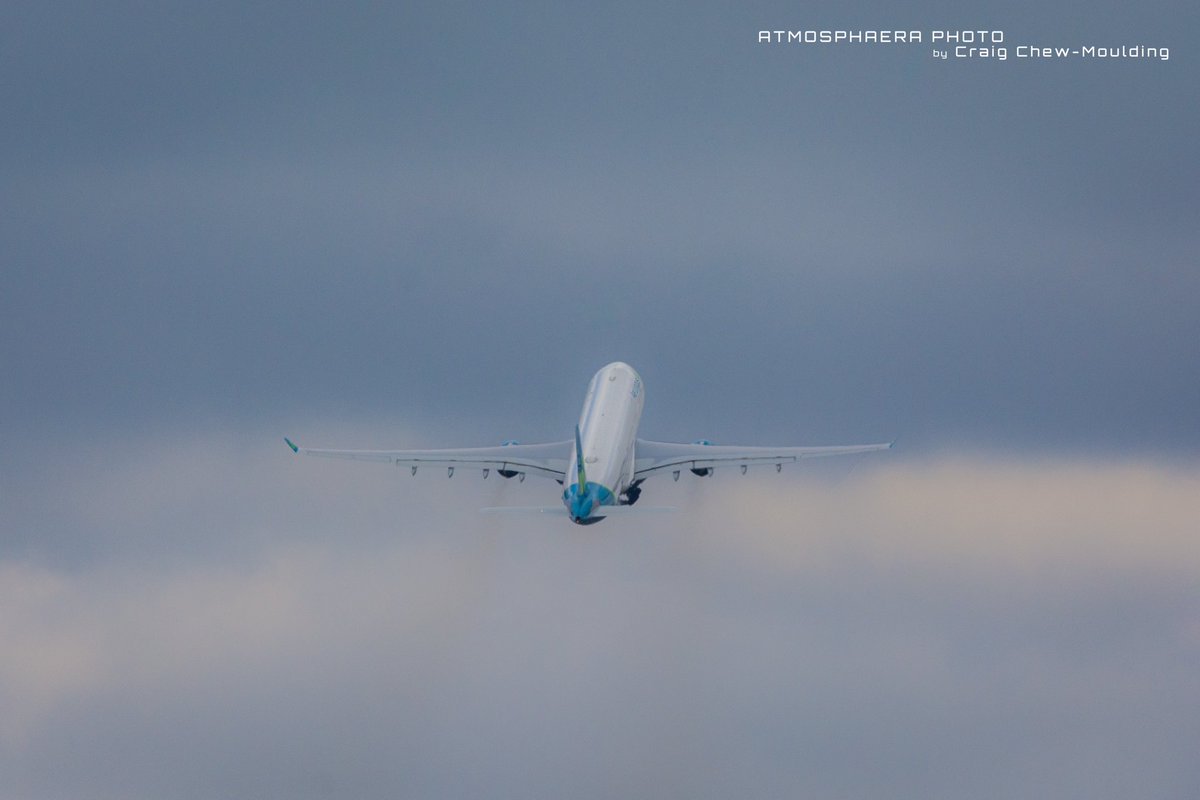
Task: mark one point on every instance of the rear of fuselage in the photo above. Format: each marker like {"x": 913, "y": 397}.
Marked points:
{"x": 607, "y": 430}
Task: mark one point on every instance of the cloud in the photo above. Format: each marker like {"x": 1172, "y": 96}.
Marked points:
{"x": 296, "y": 222}
{"x": 993, "y": 516}
{"x": 1019, "y": 624}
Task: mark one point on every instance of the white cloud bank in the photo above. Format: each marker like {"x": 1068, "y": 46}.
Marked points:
{"x": 965, "y": 627}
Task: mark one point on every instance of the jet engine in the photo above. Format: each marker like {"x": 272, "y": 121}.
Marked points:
{"x": 703, "y": 471}
{"x": 509, "y": 473}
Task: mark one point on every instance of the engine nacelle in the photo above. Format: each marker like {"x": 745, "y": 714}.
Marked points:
{"x": 703, "y": 471}
{"x": 508, "y": 473}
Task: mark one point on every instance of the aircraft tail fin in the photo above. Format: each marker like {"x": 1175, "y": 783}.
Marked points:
{"x": 581, "y": 474}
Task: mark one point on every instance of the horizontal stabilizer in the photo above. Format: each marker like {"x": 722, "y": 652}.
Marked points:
{"x": 552, "y": 510}
{"x": 561, "y": 511}
{"x": 621, "y": 511}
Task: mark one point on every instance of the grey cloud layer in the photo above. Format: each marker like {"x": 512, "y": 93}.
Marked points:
{"x": 238, "y": 214}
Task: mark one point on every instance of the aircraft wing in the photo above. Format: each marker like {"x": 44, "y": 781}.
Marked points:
{"x": 652, "y": 457}
{"x": 548, "y": 460}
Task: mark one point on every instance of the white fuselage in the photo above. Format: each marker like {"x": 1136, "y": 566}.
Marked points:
{"x": 607, "y": 430}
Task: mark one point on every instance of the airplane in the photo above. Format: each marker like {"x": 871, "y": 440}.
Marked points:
{"x": 602, "y": 469}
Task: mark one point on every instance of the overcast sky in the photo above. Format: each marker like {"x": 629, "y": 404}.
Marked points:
{"x": 390, "y": 226}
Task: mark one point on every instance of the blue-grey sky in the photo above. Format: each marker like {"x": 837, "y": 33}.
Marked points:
{"x": 385, "y": 225}
{"x": 229, "y": 213}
